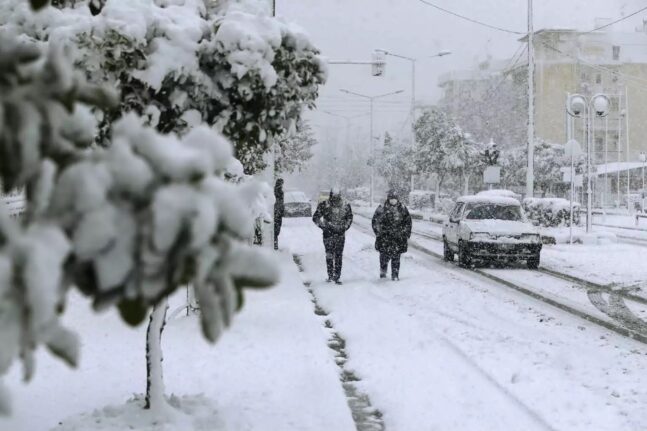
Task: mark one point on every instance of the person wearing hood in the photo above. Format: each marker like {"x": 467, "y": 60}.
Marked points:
{"x": 279, "y": 209}
{"x": 334, "y": 217}
{"x": 392, "y": 227}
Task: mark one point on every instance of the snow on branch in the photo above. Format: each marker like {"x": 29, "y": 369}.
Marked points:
{"x": 126, "y": 225}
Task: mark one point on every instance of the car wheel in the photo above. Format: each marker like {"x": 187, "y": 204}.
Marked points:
{"x": 448, "y": 253}
{"x": 533, "y": 262}
{"x": 464, "y": 258}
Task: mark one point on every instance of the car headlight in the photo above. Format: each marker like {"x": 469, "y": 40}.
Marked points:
{"x": 482, "y": 236}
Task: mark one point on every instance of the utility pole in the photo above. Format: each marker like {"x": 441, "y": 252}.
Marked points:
{"x": 530, "y": 174}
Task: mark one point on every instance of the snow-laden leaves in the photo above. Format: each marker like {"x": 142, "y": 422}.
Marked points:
{"x": 126, "y": 225}
{"x": 394, "y": 164}
{"x": 294, "y": 150}
{"x": 37, "y": 108}
{"x": 137, "y": 244}
{"x": 32, "y": 293}
{"x": 249, "y": 74}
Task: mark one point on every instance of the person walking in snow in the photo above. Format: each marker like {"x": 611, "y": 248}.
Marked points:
{"x": 334, "y": 216}
{"x": 279, "y": 209}
{"x": 392, "y": 227}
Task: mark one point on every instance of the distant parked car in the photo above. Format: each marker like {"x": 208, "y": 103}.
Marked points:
{"x": 297, "y": 204}
{"x": 489, "y": 228}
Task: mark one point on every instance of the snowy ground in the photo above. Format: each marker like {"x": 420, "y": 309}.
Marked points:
{"x": 271, "y": 371}
{"x": 439, "y": 350}
{"x": 443, "y": 350}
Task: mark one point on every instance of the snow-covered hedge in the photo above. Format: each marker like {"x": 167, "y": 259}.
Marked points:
{"x": 551, "y": 212}
{"x": 421, "y": 199}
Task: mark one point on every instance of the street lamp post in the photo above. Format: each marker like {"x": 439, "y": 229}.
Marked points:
{"x": 371, "y": 99}
{"x": 413, "y": 89}
{"x": 597, "y": 106}
{"x": 643, "y": 159}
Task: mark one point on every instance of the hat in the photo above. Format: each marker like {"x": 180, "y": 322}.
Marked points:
{"x": 391, "y": 195}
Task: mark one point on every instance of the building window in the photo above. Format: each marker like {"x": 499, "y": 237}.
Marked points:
{"x": 616, "y": 52}
{"x": 598, "y": 78}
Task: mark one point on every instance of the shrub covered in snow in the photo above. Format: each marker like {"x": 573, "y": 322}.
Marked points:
{"x": 551, "y": 212}
{"x": 419, "y": 199}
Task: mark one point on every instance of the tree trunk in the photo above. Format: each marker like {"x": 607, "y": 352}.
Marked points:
{"x": 154, "y": 377}
{"x": 466, "y": 191}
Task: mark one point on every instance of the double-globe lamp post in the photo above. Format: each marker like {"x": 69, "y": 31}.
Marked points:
{"x": 597, "y": 106}
{"x": 371, "y": 99}
{"x": 413, "y": 88}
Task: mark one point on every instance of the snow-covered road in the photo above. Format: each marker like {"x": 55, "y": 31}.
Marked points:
{"x": 442, "y": 349}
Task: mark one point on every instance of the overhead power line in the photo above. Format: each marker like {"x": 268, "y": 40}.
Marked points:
{"x": 472, "y": 20}
{"x": 616, "y": 21}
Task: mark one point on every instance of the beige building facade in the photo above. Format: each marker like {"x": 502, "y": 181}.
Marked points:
{"x": 491, "y": 100}
{"x": 588, "y": 63}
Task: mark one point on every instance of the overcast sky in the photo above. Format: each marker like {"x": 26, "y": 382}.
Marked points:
{"x": 352, "y": 29}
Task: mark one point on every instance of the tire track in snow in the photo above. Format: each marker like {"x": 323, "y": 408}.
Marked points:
{"x": 456, "y": 350}
{"x": 624, "y": 321}
{"x": 365, "y": 416}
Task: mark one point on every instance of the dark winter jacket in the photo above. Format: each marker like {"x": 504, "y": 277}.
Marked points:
{"x": 392, "y": 228}
{"x": 333, "y": 216}
{"x": 279, "y": 207}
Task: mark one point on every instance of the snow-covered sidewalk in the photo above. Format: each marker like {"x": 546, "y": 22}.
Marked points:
{"x": 271, "y": 371}
{"x": 444, "y": 350}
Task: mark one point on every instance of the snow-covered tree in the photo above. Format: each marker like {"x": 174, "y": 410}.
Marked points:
{"x": 440, "y": 146}
{"x": 294, "y": 150}
{"x": 394, "y": 164}
{"x": 263, "y": 73}
{"x": 126, "y": 225}
{"x": 549, "y": 158}
{"x": 178, "y": 64}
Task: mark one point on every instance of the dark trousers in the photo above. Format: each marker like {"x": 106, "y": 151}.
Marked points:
{"x": 278, "y": 221}
{"x": 395, "y": 264}
{"x": 334, "y": 246}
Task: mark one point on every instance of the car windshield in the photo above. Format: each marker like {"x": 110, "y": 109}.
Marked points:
{"x": 291, "y": 197}
{"x": 493, "y": 212}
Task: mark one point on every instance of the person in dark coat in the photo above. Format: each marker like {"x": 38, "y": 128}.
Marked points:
{"x": 279, "y": 209}
{"x": 334, "y": 216}
{"x": 392, "y": 228}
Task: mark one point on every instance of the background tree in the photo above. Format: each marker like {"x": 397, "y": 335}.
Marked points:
{"x": 549, "y": 159}
{"x": 440, "y": 146}
{"x": 294, "y": 150}
{"x": 394, "y": 164}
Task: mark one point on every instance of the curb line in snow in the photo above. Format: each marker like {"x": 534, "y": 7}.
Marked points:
{"x": 365, "y": 416}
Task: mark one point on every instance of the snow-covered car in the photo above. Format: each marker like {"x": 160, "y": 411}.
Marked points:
{"x": 500, "y": 192}
{"x": 489, "y": 228}
{"x": 296, "y": 204}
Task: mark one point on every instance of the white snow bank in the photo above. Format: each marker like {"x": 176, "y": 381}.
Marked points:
{"x": 271, "y": 371}
{"x": 195, "y": 413}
